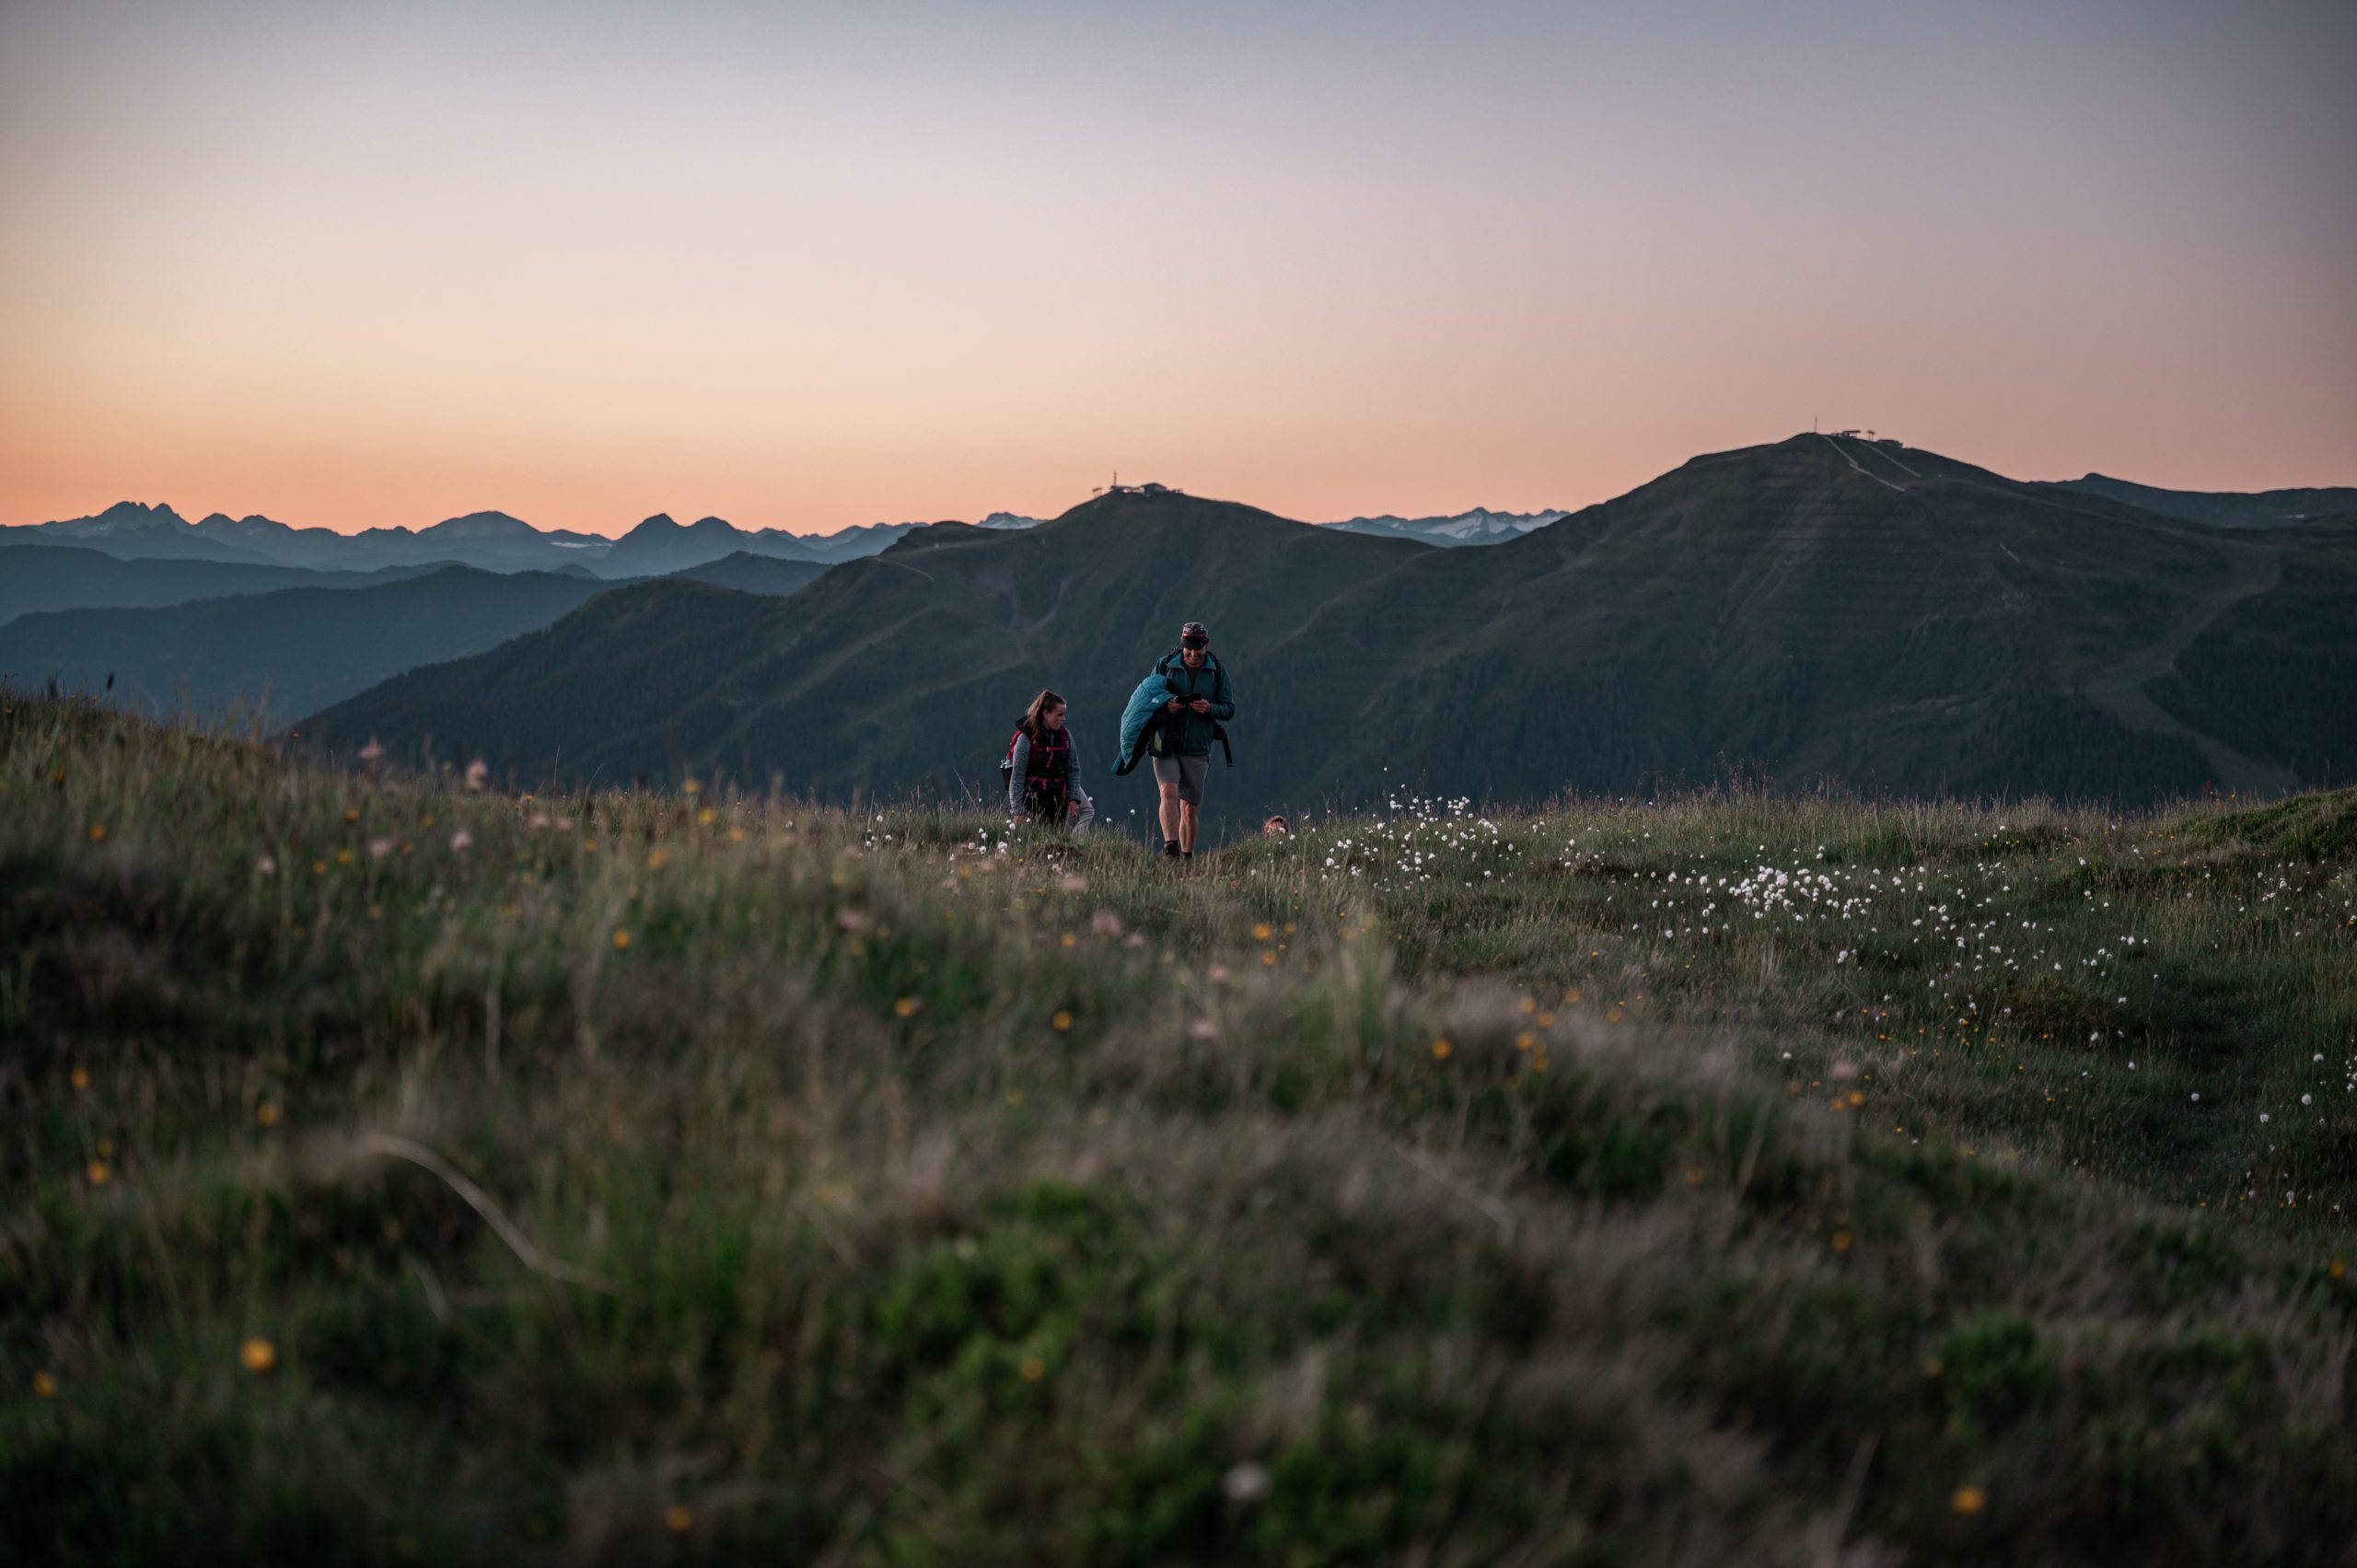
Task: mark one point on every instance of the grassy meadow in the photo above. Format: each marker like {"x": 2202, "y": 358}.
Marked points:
{"x": 399, "y": 1172}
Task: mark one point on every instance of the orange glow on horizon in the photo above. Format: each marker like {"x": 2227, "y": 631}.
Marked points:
{"x": 383, "y": 265}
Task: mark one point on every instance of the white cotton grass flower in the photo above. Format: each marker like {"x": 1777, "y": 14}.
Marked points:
{"x": 462, "y": 841}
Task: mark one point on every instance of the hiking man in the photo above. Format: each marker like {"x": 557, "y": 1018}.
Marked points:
{"x": 1174, "y": 716}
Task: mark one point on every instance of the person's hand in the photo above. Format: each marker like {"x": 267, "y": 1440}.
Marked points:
{"x": 1172, "y": 706}
{"x": 1201, "y": 704}
{"x": 1072, "y": 809}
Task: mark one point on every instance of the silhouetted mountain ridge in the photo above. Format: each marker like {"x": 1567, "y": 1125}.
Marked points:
{"x": 1813, "y": 609}
{"x": 290, "y": 651}
{"x": 69, "y": 577}
{"x": 234, "y": 633}
{"x": 2229, "y": 510}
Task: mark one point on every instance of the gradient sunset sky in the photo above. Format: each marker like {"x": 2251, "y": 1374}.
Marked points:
{"x": 367, "y": 263}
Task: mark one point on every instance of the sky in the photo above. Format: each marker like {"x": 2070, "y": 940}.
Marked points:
{"x": 809, "y": 266}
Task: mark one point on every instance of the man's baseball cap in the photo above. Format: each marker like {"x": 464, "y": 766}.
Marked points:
{"x": 1194, "y": 635}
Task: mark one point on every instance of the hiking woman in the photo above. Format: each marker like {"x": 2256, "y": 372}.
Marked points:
{"x": 1042, "y": 776}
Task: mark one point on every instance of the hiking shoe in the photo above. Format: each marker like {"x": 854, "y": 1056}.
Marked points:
{"x": 1170, "y": 849}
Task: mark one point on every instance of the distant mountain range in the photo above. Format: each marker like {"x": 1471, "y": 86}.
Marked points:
{"x": 492, "y": 541}
{"x": 1815, "y": 609}
{"x": 1479, "y": 526}
{"x": 495, "y": 542}
{"x": 1811, "y": 609}
{"x": 289, "y": 650}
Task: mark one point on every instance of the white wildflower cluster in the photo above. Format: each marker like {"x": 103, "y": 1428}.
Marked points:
{"x": 1420, "y": 840}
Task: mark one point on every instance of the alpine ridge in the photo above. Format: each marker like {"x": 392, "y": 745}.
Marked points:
{"x": 1816, "y": 610}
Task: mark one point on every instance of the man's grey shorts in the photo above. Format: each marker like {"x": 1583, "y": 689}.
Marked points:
{"x": 1187, "y": 772}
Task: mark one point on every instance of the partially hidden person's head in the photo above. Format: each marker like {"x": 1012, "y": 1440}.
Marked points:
{"x": 1045, "y": 714}
{"x": 1194, "y": 644}
{"x": 1276, "y": 827}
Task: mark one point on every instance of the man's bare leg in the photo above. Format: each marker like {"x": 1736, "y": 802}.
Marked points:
{"x": 1190, "y": 815}
{"x": 1170, "y": 820}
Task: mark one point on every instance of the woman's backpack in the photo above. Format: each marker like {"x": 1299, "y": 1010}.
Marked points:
{"x": 1006, "y": 762}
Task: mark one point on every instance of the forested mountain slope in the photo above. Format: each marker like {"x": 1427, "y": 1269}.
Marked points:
{"x": 286, "y": 653}
{"x": 1812, "y": 609}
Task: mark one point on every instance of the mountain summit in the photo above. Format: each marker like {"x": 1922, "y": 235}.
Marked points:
{"x": 661, "y": 545}
{"x": 481, "y": 525}
{"x": 128, "y": 516}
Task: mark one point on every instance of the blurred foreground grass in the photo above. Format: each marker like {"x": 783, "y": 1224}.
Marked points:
{"x": 398, "y": 1173}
